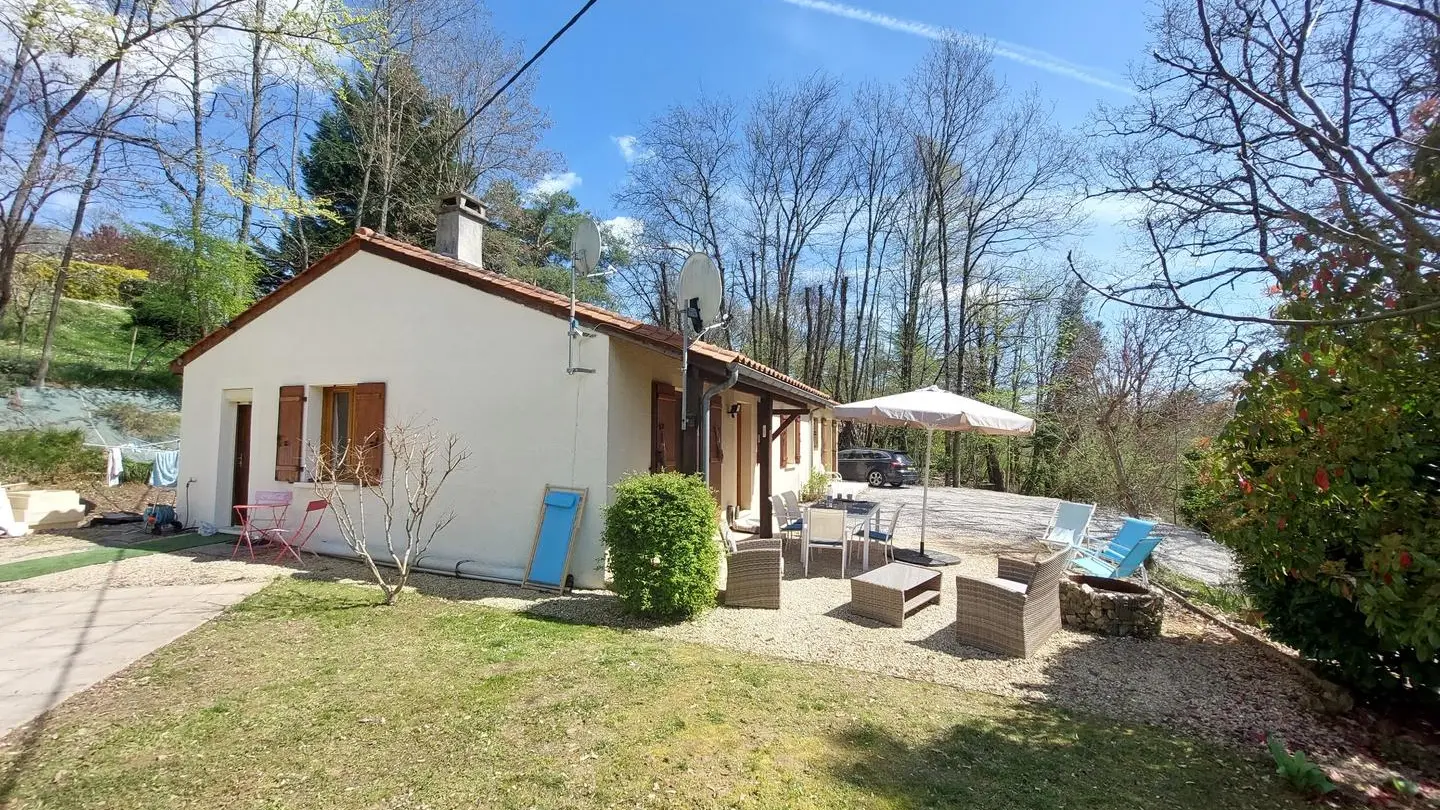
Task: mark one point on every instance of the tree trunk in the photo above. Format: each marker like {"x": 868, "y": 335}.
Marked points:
{"x": 62, "y": 272}
{"x": 1123, "y": 490}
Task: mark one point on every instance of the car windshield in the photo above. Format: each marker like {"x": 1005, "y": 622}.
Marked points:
{"x": 904, "y": 458}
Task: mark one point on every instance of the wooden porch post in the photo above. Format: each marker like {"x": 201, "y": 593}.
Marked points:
{"x": 763, "y": 419}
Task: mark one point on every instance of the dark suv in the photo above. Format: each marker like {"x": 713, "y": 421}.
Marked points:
{"x": 878, "y": 467}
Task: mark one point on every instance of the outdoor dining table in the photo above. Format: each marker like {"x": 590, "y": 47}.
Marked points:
{"x": 865, "y": 514}
{"x": 251, "y": 527}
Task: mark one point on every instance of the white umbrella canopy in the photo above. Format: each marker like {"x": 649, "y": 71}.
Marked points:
{"x": 933, "y": 408}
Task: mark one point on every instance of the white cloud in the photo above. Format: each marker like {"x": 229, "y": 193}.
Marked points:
{"x": 553, "y": 182}
{"x": 623, "y": 229}
{"x": 1020, "y": 54}
{"x": 1115, "y": 209}
{"x": 629, "y": 146}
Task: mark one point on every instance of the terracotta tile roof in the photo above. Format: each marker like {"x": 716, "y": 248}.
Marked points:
{"x": 512, "y": 289}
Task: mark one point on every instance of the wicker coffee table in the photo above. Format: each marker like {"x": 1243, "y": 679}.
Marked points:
{"x": 892, "y": 592}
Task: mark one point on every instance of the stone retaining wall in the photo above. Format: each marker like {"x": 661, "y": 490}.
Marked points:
{"x": 1111, "y": 607}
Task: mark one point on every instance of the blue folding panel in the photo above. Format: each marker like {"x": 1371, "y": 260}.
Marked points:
{"x": 560, "y": 515}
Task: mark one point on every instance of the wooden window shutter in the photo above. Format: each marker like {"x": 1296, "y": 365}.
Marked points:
{"x": 368, "y": 437}
{"x": 665, "y": 427}
{"x": 290, "y": 433}
{"x": 785, "y": 446}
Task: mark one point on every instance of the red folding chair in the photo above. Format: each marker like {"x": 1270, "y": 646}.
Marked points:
{"x": 300, "y": 535}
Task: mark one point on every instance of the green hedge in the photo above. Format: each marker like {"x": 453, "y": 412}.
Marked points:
{"x": 660, "y": 531}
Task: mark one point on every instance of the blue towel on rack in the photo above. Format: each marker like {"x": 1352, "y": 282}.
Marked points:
{"x": 165, "y": 472}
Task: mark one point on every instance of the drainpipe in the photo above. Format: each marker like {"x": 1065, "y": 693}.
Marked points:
{"x": 705, "y": 397}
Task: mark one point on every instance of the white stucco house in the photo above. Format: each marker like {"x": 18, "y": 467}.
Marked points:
{"x": 380, "y": 332}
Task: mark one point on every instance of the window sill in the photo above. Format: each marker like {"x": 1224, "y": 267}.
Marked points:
{"x": 312, "y": 485}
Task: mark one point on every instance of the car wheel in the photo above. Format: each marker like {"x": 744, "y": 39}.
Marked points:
{"x": 877, "y": 478}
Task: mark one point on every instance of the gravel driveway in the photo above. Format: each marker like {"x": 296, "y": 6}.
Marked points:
{"x": 967, "y": 520}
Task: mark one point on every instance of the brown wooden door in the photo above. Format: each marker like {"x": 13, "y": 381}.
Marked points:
{"x": 717, "y": 450}
{"x": 240, "y": 475}
{"x": 665, "y": 428}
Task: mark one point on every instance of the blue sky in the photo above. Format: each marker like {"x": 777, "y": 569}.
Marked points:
{"x": 627, "y": 60}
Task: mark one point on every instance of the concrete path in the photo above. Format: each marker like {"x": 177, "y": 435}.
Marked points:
{"x": 959, "y": 518}
{"x": 54, "y": 644}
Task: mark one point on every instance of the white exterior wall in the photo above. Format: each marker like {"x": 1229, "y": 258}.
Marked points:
{"x": 633, "y": 370}
{"x": 488, "y": 369}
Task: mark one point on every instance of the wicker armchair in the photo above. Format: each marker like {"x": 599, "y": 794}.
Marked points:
{"x": 1015, "y": 613}
{"x": 753, "y": 570}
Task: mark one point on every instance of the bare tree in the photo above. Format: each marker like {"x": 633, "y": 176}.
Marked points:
{"x": 421, "y": 460}
{"x": 1262, "y": 125}
{"x": 793, "y": 178}
{"x": 679, "y": 186}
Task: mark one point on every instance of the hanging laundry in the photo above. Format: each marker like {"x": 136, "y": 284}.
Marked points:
{"x": 165, "y": 472}
{"x": 114, "y": 466}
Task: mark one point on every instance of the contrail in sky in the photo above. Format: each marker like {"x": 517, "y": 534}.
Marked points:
{"x": 1005, "y": 50}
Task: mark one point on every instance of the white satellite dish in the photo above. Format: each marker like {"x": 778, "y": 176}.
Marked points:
{"x": 700, "y": 292}
{"x": 585, "y": 247}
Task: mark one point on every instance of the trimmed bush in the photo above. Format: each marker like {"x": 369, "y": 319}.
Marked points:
{"x": 660, "y": 531}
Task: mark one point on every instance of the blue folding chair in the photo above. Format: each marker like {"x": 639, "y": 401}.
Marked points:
{"x": 1124, "y": 555}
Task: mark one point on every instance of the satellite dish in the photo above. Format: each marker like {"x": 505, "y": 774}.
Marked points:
{"x": 700, "y": 292}
{"x": 585, "y": 247}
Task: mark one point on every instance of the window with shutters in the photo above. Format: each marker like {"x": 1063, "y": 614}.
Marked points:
{"x": 352, "y": 431}
{"x": 336, "y": 430}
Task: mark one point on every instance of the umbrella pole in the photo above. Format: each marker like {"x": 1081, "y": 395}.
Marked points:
{"x": 925, "y": 486}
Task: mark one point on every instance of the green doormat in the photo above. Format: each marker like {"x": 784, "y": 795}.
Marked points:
{"x": 25, "y": 569}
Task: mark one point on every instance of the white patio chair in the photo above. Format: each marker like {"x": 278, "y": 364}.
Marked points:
{"x": 1069, "y": 525}
{"x": 789, "y": 522}
{"x": 825, "y": 529}
{"x": 868, "y": 534}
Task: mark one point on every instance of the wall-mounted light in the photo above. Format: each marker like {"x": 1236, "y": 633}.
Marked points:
{"x": 734, "y": 410}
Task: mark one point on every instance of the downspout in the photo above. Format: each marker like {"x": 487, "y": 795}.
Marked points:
{"x": 705, "y": 397}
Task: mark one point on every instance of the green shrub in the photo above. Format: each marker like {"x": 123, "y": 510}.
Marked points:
{"x": 87, "y": 281}
{"x": 1303, "y": 775}
{"x": 1330, "y": 482}
{"x": 815, "y": 486}
{"x": 1199, "y": 497}
{"x": 47, "y": 457}
{"x": 660, "y": 531}
{"x": 136, "y": 471}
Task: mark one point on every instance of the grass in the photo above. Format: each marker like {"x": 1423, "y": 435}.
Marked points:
{"x": 25, "y": 569}
{"x": 92, "y": 348}
{"x": 140, "y": 422}
{"x": 1228, "y": 599}
{"x": 307, "y": 695}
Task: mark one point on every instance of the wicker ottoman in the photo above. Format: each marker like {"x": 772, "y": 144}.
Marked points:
{"x": 892, "y": 592}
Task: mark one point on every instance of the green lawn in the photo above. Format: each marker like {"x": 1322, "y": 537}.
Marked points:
{"x": 92, "y": 348}
{"x": 40, "y": 566}
{"x": 308, "y": 696}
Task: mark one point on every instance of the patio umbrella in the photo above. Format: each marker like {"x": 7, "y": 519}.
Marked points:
{"x": 934, "y": 408}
